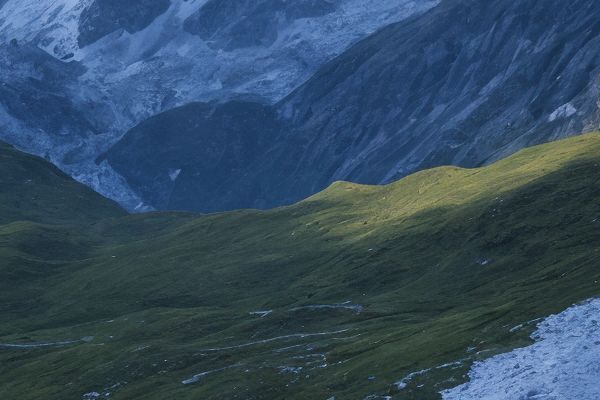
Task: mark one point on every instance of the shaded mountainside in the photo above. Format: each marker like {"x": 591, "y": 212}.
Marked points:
{"x": 210, "y": 149}
{"x": 467, "y": 82}
{"x": 343, "y": 294}
{"x": 464, "y": 84}
{"x": 255, "y": 23}
{"x": 34, "y": 94}
{"x": 103, "y": 17}
{"x": 44, "y": 112}
{"x": 126, "y": 61}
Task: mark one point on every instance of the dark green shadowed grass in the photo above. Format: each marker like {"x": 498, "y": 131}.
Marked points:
{"x": 436, "y": 268}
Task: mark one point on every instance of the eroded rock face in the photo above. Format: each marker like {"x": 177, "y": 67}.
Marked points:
{"x": 42, "y": 111}
{"x": 106, "y": 16}
{"x": 139, "y": 60}
{"x": 195, "y": 154}
{"x": 561, "y": 364}
{"x": 32, "y": 88}
{"x": 464, "y": 84}
{"x": 233, "y": 24}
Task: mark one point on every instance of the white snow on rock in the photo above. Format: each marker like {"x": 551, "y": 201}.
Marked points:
{"x": 86, "y": 339}
{"x": 564, "y": 363}
{"x": 53, "y": 24}
{"x": 262, "y": 314}
{"x": 562, "y": 112}
{"x": 198, "y": 377}
{"x": 139, "y": 71}
{"x": 163, "y": 59}
{"x": 174, "y": 174}
{"x": 403, "y": 383}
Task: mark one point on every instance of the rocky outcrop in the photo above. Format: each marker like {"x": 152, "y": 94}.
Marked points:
{"x": 42, "y": 111}
{"x": 466, "y": 83}
{"x": 33, "y": 88}
{"x": 199, "y": 154}
{"x": 106, "y": 16}
{"x": 233, "y": 24}
{"x": 138, "y": 60}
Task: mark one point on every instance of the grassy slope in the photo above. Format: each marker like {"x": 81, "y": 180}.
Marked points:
{"x": 160, "y": 292}
{"x": 33, "y": 190}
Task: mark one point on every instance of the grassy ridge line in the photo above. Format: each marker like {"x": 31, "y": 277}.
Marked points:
{"x": 443, "y": 260}
{"x": 453, "y": 186}
{"x": 32, "y": 189}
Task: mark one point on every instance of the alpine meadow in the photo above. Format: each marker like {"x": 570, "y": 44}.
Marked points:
{"x": 298, "y": 200}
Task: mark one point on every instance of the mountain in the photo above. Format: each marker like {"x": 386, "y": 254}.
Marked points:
{"x": 500, "y": 76}
{"x": 357, "y": 292}
{"x": 103, "y": 17}
{"x": 254, "y": 23}
{"x": 193, "y": 154}
{"x": 466, "y": 83}
{"x": 115, "y": 64}
{"x": 40, "y": 114}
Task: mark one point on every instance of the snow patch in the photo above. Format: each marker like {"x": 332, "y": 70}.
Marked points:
{"x": 564, "y": 363}
{"x": 357, "y": 308}
{"x": 483, "y": 261}
{"x": 290, "y": 370}
{"x": 174, "y": 174}
{"x": 262, "y": 314}
{"x": 86, "y": 339}
{"x": 54, "y": 25}
{"x": 137, "y": 75}
{"x": 563, "y": 112}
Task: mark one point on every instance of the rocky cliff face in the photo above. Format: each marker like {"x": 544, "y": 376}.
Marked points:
{"x": 466, "y": 83}
{"x": 43, "y": 112}
{"x": 199, "y": 154}
{"x": 233, "y": 24}
{"x": 139, "y": 58}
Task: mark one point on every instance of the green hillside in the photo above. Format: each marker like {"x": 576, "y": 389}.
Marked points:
{"x": 364, "y": 284}
{"x": 34, "y": 190}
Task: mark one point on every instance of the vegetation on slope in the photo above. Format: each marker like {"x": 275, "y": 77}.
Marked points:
{"x": 437, "y": 267}
{"x": 34, "y": 190}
